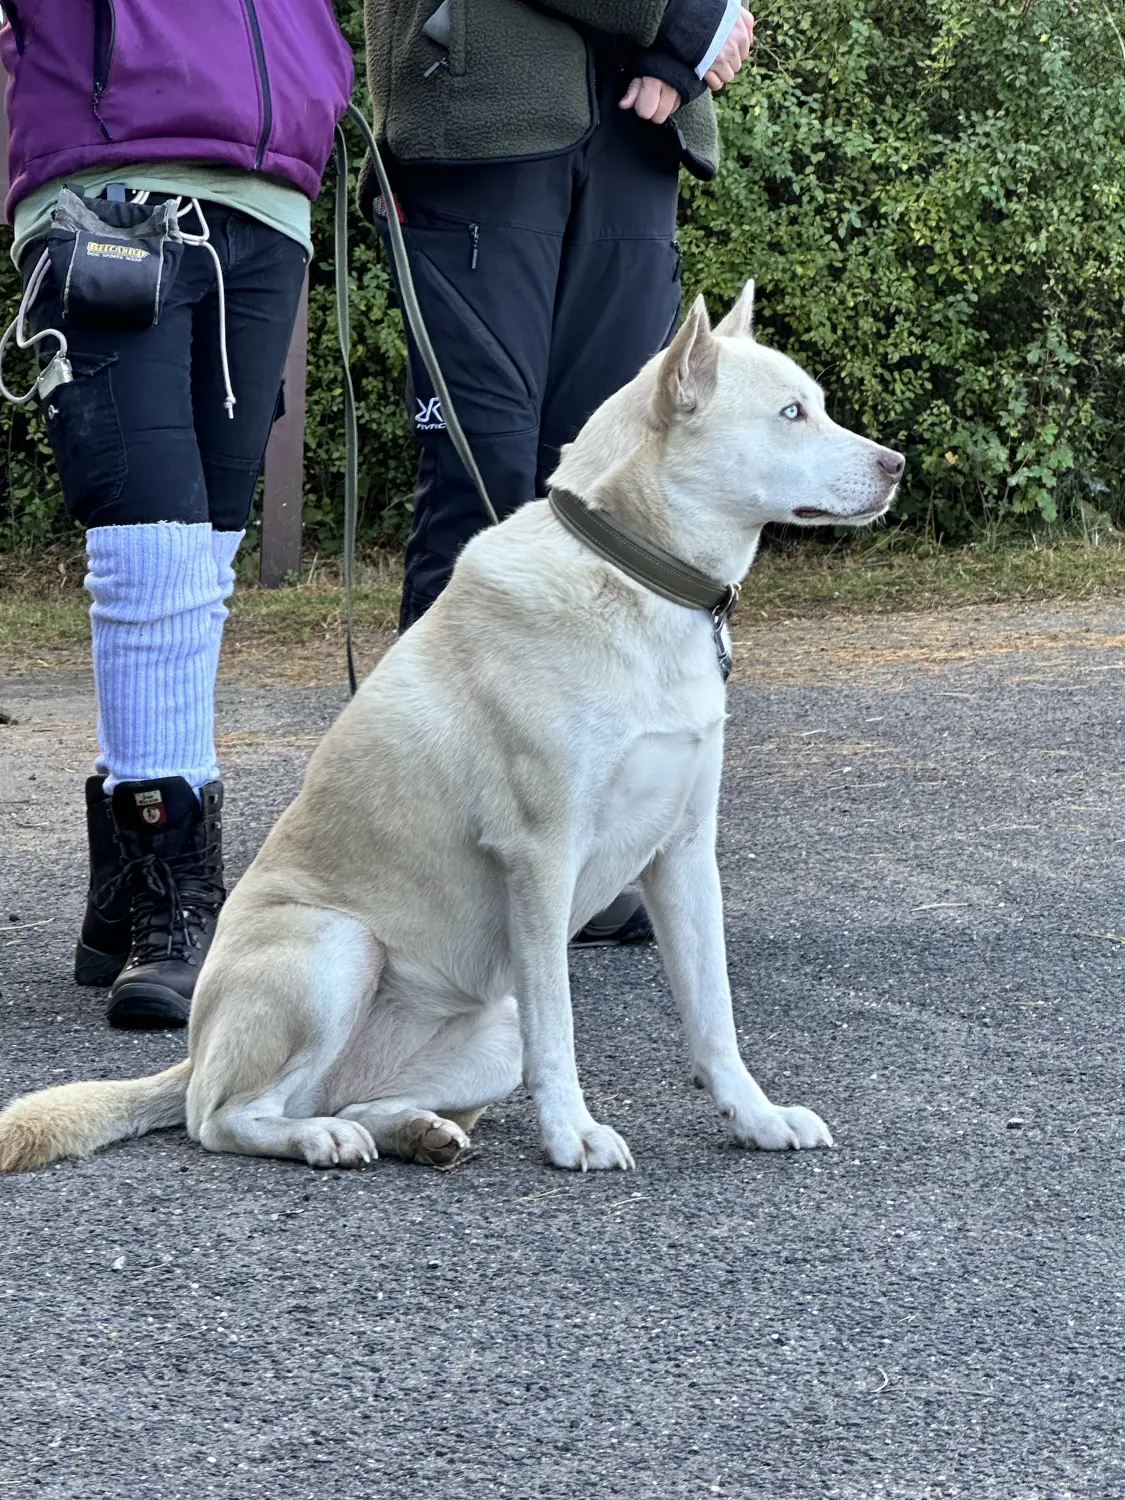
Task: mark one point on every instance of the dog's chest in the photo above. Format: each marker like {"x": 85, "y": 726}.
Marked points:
{"x": 649, "y": 788}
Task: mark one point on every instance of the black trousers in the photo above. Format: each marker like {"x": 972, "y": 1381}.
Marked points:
{"x": 545, "y": 286}
{"x": 141, "y": 434}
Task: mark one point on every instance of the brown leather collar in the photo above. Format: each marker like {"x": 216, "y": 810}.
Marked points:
{"x": 642, "y": 560}
{"x": 650, "y": 565}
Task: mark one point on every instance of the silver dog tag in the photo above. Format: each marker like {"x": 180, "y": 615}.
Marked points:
{"x": 721, "y": 633}
{"x": 720, "y": 629}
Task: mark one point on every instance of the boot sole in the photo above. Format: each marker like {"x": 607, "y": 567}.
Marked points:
{"x": 92, "y": 967}
{"x": 633, "y": 931}
{"x": 611, "y": 940}
{"x": 147, "y": 1007}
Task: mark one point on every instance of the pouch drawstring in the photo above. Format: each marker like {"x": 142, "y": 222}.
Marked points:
{"x": 193, "y": 206}
{"x": 204, "y": 239}
{"x": 24, "y": 341}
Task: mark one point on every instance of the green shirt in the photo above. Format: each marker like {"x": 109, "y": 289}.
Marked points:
{"x": 282, "y": 207}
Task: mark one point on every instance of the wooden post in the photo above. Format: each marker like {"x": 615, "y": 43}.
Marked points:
{"x": 281, "y": 503}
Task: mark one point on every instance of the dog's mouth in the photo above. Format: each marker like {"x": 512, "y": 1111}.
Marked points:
{"x": 812, "y": 513}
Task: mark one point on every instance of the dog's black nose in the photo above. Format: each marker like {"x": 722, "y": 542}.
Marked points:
{"x": 892, "y": 463}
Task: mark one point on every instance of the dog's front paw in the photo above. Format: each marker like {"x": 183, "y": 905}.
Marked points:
{"x": 333, "y": 1142}
{"x": 778, "y": 1129}
{"x": 588, "y": 1148}
{"x": 808, "y": 1127}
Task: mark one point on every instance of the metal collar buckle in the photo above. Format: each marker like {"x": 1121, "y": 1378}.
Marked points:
{"x": 725, "y": 607}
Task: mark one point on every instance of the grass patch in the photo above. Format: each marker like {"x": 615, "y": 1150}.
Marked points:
{"x": 873, "y": 576}
{"x": 28, "y": 622}
{"x": 305, "y": 612}
{"x": 43, "y": 607}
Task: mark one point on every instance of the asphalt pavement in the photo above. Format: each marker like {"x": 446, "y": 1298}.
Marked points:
{"x": 922, "y": 847}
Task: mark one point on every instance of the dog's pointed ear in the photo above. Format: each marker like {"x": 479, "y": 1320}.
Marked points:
{"x": 689, "y": 370}
{"x": 739, "y": 322}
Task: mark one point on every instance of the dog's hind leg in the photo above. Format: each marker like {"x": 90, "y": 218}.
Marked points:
{"x": 399, "y": 1128}
{"x": 444, "y": 1087}
{"x": 278, "y": 1007}
{"x": 322, "y": 1141}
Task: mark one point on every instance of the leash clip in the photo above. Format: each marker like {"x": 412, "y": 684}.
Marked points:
{"x": 57, "y": 373}
{"x": 725, "y": 607}
{"x": 720, "y": 628}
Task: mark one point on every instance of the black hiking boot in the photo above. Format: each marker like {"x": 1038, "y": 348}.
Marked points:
{"x": 172, "y": 863}
{"x": 103, "y": 943}
{"x": 623, "y": 921}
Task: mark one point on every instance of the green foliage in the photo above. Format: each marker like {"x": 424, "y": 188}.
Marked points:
{"x": 31, "y": 511}
{"x": 378, "y": 354}
{"x": 931, "y": 196}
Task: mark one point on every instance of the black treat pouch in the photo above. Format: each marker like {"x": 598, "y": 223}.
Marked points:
{"x": 113, "y": 262}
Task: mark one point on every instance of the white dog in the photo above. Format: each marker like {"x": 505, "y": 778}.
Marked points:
{"x": 395, "y": 959}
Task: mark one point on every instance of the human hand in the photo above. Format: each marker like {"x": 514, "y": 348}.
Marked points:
{"x": 652, "y": 99}
{"x": 734, "y": 53}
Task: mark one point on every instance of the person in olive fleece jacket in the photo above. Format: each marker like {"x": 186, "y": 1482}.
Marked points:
{"x": 512, "y": 80}
{"x": 534, "y": 150}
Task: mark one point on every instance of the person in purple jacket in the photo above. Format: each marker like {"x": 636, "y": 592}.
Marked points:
{"x": 227, "y": 109}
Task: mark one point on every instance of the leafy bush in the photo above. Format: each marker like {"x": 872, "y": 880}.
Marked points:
{"x": 931, "y": 196}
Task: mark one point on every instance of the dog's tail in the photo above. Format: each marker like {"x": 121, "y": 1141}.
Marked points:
{"x": 77, "y": 1118}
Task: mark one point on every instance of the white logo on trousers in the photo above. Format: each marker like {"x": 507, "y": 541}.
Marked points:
{"x": 428, "y": 417}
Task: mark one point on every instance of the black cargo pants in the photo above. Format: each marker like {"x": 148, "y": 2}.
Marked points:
{"x": 545, "y": 286}
{"x": 141, "y": 434}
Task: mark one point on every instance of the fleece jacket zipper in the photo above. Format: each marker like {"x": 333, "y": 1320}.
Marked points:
{"x": 103, "y": 57}
{"x": 263, "y": 80}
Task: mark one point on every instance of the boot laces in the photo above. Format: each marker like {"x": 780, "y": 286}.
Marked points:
{"x": 172, "y": 897}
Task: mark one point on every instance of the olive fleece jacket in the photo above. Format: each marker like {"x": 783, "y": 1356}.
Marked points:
{"x": 511, "y": 79}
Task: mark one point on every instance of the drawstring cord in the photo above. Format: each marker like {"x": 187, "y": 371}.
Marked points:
{"x": 24, "y": 341}
{"x": 204, "y": 240}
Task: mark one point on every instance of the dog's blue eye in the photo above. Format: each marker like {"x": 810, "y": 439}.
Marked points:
{"x": 792, "y": 412}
